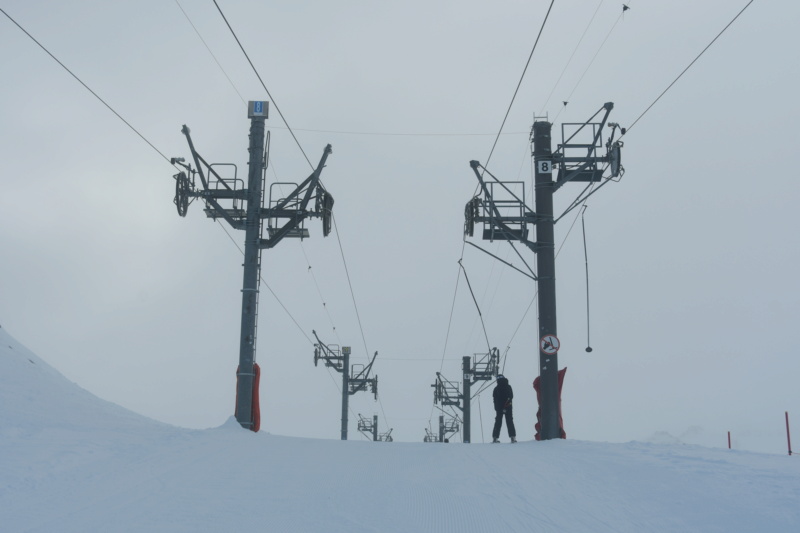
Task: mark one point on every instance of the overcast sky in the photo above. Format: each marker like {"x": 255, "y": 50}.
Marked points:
{"x": 692, "y": 255}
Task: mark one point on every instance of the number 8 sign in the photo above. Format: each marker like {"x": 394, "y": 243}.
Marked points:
{"x": 545, "y": 167}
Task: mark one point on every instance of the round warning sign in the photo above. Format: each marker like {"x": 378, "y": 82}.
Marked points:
{"x": 549, "y": 344}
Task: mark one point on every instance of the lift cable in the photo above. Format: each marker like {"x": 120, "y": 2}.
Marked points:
{"x": 355, "y": 305}
{"x": 519, "y": 83}
{"x": 413, "y": 359}
{"x": 154, "y": 148}
{"x": 687, "y": 68}
{"x": 405, "y": 134}
{"x": 478, "y": 307}
{"x": 450, "y": 320}
{"x": 274, "y": 104}
{"x": 483, "y": 388}
{"x": 210, "y": 52}
{"x": 267, "y": 286}
{"x": 325, "y": 306}
{"x": 341, "y": 132}
{"x": 310, "y": 270}
{"x": 591, "y": 62}
{"x": 452, "y": 307}
{"x": 531, "y": 275}
{"x": 487, "y": 286}
{"x": 350, "y": 285}
{"x": 583, "y": 196}
{"x": 353, "y": 297}
{"x": 330, "y": 374}
{"x": 160, "y": 153}
{"x": 319, "y": 292}
{"x": 167, "y": 159}
{"x": 569, "y": 61}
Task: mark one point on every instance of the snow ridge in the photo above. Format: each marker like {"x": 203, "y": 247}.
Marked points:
{"x": 72, "y": 462}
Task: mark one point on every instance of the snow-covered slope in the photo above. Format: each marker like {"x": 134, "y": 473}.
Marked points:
{"x": 72, "y": 462}
{"x": 36, "y": 397}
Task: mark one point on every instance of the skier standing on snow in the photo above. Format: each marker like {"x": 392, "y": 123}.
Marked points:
{"x": 503, "y": 394}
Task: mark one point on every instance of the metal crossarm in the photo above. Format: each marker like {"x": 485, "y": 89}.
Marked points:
{"x": 504, "y": 213}
{"x": 361, "y": 381}
{"x": 294, "y": 207}
{"x": 446, "y": 392}
{"x": 584, "y": 167}
{"x": 484, "y": 366}
{"x": 331, "y": 354}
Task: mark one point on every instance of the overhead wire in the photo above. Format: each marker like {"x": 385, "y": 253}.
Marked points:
{"x": 591, "y": 62}
{"x": 522, "y": 77}
{"x": 154, "y": 148}
{"x": 452, "y": 307}
{"x": 310, "y": 270}
{"x": 236, "y": 244}
{"x": 274, "y": 103}
{"x": 340, "y": 132}
{"x": 355, "y": 305}
{"x": 210, "y": 52}
{"x": 319, "y": 292}
{"x": 151, "y": 145}
{"x": 17, "y": 24}
{"x": 405, "y": 134}
{"x": 263, "y": 281}
{"x": 283, "y": 306}
{"x": 412, "y": 359}
{"x": 688, "y": 67}
{"x": 569, "y": 61}
{"x": 350, "y": 284}
{"x": 450, "y": 319}
{"x": 480, "y": 315}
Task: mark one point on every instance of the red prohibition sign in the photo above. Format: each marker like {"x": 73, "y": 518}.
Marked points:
{"x": 549, "y": 344}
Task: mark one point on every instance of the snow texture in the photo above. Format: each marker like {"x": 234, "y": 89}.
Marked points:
{"x": 72, "y": 462}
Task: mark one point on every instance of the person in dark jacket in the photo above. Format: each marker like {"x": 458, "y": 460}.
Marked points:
{"x": 503, "y": 394}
